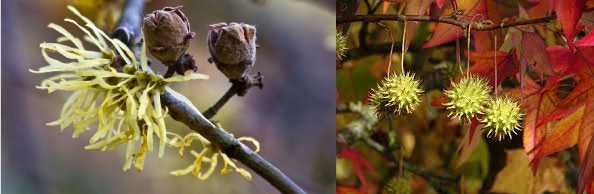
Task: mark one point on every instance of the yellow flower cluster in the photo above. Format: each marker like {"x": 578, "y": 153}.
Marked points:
{"x": 196, "y": 166}
{"x": 125, "y": 104}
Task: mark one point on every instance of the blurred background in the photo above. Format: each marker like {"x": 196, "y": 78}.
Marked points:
{"x": 292, "y": 116}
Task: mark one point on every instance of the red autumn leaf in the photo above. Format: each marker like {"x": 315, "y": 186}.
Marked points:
{"x": 440, "y": 3}
{"x": 539, "y": 10}
{"x": 348, "y": 190}
{"x": 360, "y": 164}
{"x": 445, "y": 32}
{"x": 568, "y": 13}
{"x": 587, "y": 40}
{"x": 533, "y": 50}
{"x": 483, "y": 40}
{"x": 537, "y": 102}
{"x": 469, "y": 142}
{"x": 580, "y": 63}
{"x": 560, "y": 58}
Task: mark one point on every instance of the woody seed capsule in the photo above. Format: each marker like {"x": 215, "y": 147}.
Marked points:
{"x": 167, "y": 34}
{"x": 233, "y": 48}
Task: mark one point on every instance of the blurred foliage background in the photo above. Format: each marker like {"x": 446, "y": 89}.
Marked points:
{"x": 292, "y": 116}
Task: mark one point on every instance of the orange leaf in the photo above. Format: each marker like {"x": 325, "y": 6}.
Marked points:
{"x": 482, "y": 65}
{"x": 564, "y": 134}
{"x": 538, "y": 102}
{"x": 348, "y": 190}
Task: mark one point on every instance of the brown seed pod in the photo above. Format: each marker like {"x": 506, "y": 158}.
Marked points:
{"x": 233, "y": 48}
{"x": 167, "y": 34}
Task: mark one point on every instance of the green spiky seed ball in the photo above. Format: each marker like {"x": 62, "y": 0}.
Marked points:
{"x": 502, "y": 117}
{"x": 341, "y": 46}
{"x": 397, "y": 185}
{"x": 396, "y": 94}
{"x": 467, "y": 97}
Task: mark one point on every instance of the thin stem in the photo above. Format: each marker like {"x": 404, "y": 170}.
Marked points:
{"x": 468, "y": 51}
{"x": 458, "y": 59}
{"x": 212, "y": 111}
{"x": 391, "y": 46}
{"x": 170, "y": 72}
{"x": 495, "y": 62}
{"x": 402, "y": 54}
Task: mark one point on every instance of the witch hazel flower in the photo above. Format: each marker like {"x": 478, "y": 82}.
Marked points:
{"x": 115, "y": 91}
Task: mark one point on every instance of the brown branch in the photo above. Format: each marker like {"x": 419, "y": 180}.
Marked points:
{"x": 480, "y": 25}
{"x": 180, "y": 111}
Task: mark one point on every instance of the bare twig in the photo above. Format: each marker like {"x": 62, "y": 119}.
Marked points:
{"x": 212, "y": 111}
{"x": 446, "y": 19}
{"x": 238, "y": 87}
{"x": 180, "y": 111}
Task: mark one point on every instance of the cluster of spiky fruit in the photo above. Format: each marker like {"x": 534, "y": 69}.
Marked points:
{"x": 341, "y": 46}
{"x": 470, "y": 97}
{"x": 467, "y": 97}
{"x": 396, "y": 94}
{"x": 502, "y": 117}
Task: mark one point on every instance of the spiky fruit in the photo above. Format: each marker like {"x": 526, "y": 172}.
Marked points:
{"x": 397, "y": 185}
{"x": 502, "y": 117}
{"x": 467, "y": 97}
{"x": 341, "y": 46}
{"x": 396, "y": 94}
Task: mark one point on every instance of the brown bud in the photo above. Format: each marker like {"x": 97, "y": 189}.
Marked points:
{"x": 167, "y": 34}
{"x": 233, "y": 48}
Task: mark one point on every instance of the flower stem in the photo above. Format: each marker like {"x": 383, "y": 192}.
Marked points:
{"x": 212, "y": 111}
